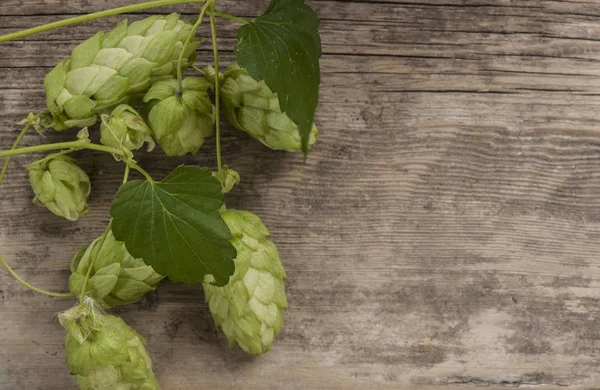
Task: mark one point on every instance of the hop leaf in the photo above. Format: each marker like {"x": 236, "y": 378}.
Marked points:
{"x": 61, "y": 186}
{"x": 175, "y": 225}
{"x": 283, "y": 47}
{"x": 125, "y": 129}
{"x": 180, "y": 119}
{"x": 249, "y": 308}
{"x": 103, "y": 352}
{"x": 116, "y": 278}
{"x": 252, "y": 107}
{"x": 115, "y": 67}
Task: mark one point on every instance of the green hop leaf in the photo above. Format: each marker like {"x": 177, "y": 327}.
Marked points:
{"x": 180, "y": 119}
{"x": 175, "y": 226}
{"x": 61, "y": 186}
{"x": 116, "y": 278}
{"x": 252, "y": 107}
{"x": 249, "y": 309}
{"x": 283, "y": 47}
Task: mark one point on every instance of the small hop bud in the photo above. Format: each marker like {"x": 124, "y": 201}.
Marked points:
{"x": 116, "y": 278}
{"x": 125, "y": 129}
{"x": 228, "y": 178}
{"x": 61, "y": 186}
{"x": 180, "y": 119}
{"x": 103, "y": 352}
{"x": 249, "y": 308}
{"x": 251, "y": 106}
{"x": 84, "y": 135}
{"x": 35, "y": 121}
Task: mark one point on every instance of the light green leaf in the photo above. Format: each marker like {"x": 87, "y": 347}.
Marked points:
{"x": 175, "y": 226}
{"x": 283, "y": 47}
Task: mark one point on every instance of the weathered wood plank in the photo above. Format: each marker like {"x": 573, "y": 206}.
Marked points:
{"x": 442, "y": 234}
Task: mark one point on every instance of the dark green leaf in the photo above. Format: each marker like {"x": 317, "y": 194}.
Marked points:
{"x": 283, "y": 47}
{"x": 175, "y": 225}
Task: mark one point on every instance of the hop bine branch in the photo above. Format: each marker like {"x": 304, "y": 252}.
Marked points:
{"x": 12, "y": 272}
{"x": 93, "y": 16}
{"x": 130, "y": 80}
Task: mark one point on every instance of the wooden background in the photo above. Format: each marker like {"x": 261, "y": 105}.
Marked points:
{"x": 443, "y": 234}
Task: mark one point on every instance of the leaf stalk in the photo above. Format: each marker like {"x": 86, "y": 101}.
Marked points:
{"x": 230, "y": 17}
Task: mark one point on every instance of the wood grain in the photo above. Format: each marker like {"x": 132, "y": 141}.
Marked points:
{"x": 443, "y": 234}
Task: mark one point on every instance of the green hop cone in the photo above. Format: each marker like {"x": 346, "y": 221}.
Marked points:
{"x": 180, "y": 119}
{"x": 252, "y": 107}
{"x": 116, "y": 278}
{"x": 115, "y": 67}
{"x": 125, "y": 129}
{"x": 249, "y": 308}
{"x": 103, "y": 352}
{"x": 61, "y": 186}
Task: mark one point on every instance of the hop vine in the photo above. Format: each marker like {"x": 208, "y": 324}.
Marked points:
{"x": 129, "y": 85}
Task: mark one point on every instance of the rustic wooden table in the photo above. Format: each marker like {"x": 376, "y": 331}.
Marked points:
{"x": 444, "y": 232}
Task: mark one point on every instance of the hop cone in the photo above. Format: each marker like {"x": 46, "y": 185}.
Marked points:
{"x": 61, "y": 186}
{"x": 249, "y": 308}
{"x": 104, "y": 353}
{"x": 125, "y": 129}
{"x": 113, "y": 68}
{"x": 252, "y": 107}
{"x": 116, "y": 278}
{"x": 180, "y": 119}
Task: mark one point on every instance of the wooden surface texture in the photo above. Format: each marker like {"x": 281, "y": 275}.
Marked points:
{"x": 443, "y": 234}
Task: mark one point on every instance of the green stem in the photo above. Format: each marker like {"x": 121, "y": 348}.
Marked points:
{"x": 61, "y": 145}
{"x": 198, "y": 70}
{"x": 140, "y": 170}
{"x": 126, "y": 175}
{"x": 93, "y": 16}
{"x": 187, "y": 42}
{"x": 91, "y": 266}
{"x": 8, "y": 268}
{"x": 230, "y": 17}
{"x": 24, "y": 283}
{"x": 213, "y": 31}
{"x": 14, "y": 146}
{"x": 50, "y": 157}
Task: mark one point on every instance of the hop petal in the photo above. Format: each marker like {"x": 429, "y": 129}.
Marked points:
{"x": 116, "y": 278}
{"x": 111, "y": 68}
{"x": 252, "y": 107}
{"x": 180, "y": 119}
{"x": 249, "y": 308}
{"x": 61, "y": 186}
